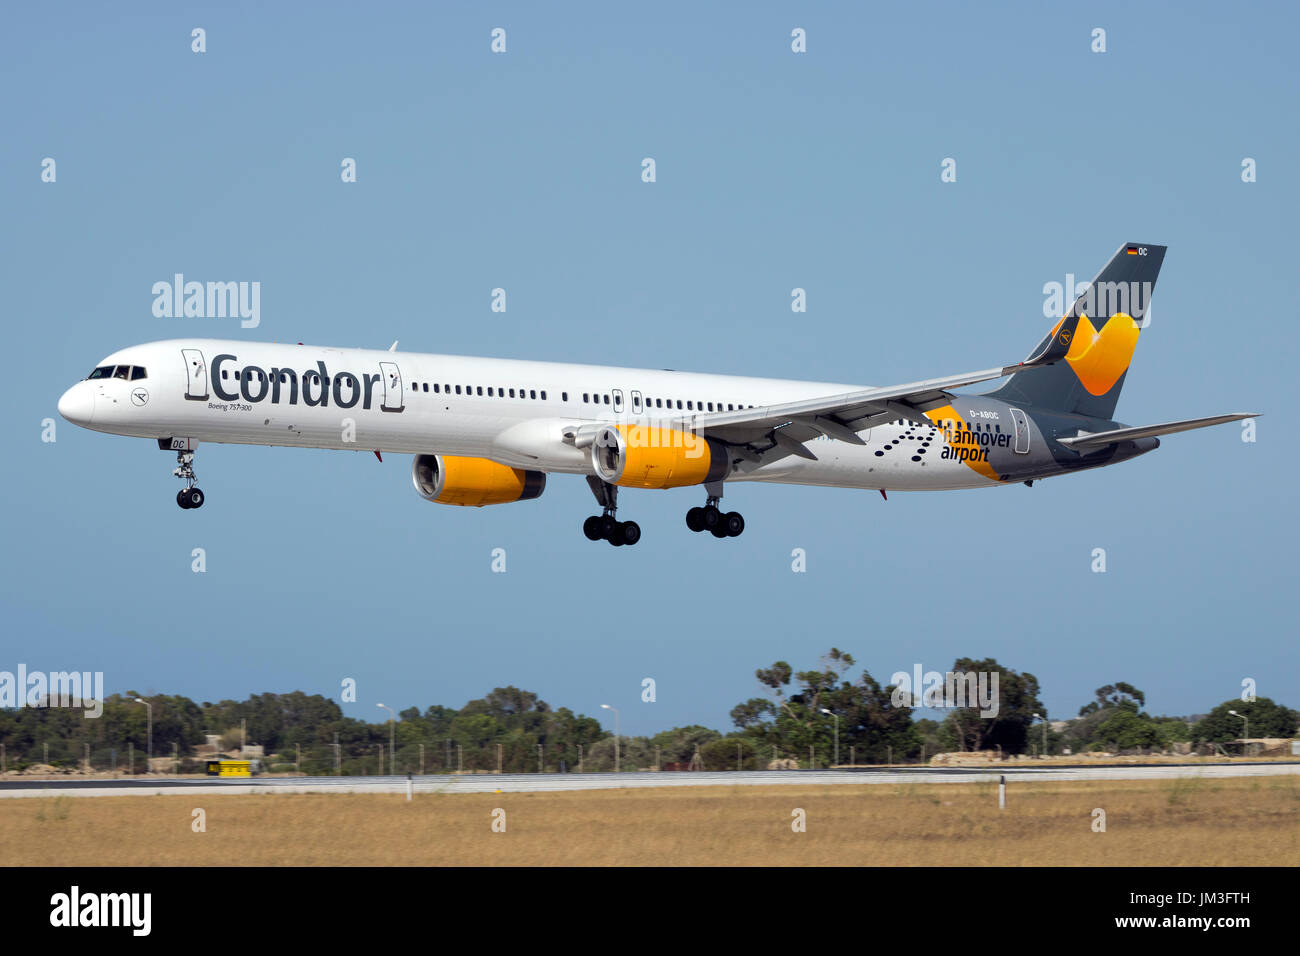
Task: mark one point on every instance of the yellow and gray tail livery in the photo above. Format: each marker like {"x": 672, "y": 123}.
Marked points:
{"x": 1097, "y": 337}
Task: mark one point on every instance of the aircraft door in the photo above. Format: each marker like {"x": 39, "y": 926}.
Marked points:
{"x": 636, "y": 402}
{"x": 1022, "y": 431}
{"x": 394, "y": 397}
{"x": 196, "y": 371}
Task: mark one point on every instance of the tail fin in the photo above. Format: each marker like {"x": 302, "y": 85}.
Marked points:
{"x": 1098, "y": 335}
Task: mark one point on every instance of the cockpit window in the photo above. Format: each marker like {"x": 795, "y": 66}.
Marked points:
{"x": 104, "y": 371}
{"x": 122, "y": 372}
{"x": 137, "y": 371}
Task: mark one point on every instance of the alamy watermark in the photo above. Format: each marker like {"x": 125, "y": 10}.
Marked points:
{"x": 39, "y": 689}
{"x": 922, "y": 688}
{"x": 1103, "y": 298}
{"x": 77, "y": 908}
{"x": 208, "y": 300}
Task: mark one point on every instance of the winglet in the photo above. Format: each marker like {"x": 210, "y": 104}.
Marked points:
{"x": 393, "y": 347}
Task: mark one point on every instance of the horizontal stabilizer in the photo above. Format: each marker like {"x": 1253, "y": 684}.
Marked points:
{"x": 1085, "y": 441}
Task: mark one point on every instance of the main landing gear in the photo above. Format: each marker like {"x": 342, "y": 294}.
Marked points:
{"x": 729, "y": 524}
{"x": 605, "y": 526}
{"x": 189, "y": 496}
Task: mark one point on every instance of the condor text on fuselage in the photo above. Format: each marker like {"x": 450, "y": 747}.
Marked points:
{"x": 281, "y": 385}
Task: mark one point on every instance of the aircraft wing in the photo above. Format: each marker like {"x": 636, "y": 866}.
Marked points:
{"x": 1087, "y": 441}
{"x": 785, "y": 427}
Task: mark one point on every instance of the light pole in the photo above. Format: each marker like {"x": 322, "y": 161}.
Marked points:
{"x": 1044, "y": 720}
{"x": 141, "y": 700}
{"x": 392, "y": 729}
{"x": 1245, "y": 733}
{"x": 837, "y": 733}
{"x": 615, "y": 710}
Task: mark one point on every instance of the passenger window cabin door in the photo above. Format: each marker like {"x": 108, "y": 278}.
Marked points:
{"x": 636, "y": 402}
{"x": 196, "y": 371}
{"x": 618, "y": 401}
{"x": 394, "y": 397}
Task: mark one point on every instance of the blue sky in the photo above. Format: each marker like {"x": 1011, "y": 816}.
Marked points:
{"x": 774, "y": 170}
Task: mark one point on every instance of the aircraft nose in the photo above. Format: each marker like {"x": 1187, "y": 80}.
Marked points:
{"x": 78, "y": 404}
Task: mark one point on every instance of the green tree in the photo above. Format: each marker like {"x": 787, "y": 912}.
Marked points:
{"x": 752, "y": 712}
{"x": 736, "y": 752}
{"x": 635, "y": 753}
{"x": 1017, "y": 703}
{"x": 1125, "y": 729}
{"x": 1171, "y": 730}
{"x": 1115, "y": 695}
{"x": 678, "y": 745}
{"x": 1267, "y": 719}
{"x": 871, "y": 724}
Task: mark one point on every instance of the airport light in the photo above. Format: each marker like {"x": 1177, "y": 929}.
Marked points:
{"x": 615, "y": 710}
{"x": 1044, "y": 720}
{"x": 392, "y": 729}
{"x": 1245, "y": 733}
{"x": 837, "y": 733}
{"x": 141, "y": 700}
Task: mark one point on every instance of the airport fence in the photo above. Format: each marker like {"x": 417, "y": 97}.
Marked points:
{"x": 446, "y": 755}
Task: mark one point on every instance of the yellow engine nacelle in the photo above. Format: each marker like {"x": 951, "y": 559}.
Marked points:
{"x": 475, "y": 482}
{"x": 651, "y": 456}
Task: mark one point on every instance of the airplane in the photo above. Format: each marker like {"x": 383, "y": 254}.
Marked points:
{"x": 489, "y": 431}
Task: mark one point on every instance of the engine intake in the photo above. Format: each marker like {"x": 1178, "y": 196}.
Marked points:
{"x": 651, "y": 456}
{"x": 473, "y": 482}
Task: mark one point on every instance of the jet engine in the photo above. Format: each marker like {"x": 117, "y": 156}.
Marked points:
{"x": 651, "y": 456}
{"x": 450, "y": 480}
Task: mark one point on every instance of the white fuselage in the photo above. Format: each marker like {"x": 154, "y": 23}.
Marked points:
{"x": 509, "y": 411}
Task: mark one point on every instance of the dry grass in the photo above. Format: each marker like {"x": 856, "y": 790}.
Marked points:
{"x": 1178, "y": 822}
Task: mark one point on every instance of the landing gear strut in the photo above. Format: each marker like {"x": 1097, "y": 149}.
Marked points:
{"x": 189, "y": 496}
{"x": 711, "y": 518}
{"x": 605, "y": 526}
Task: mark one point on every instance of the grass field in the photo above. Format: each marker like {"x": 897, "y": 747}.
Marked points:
{"x": 1220, "y": 822}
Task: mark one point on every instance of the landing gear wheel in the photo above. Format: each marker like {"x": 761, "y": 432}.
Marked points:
{"x": 719, "y": 530}
{"x": 189, "y": 496}
{"x": 695, "y": 519}
{"x": 605, "y": 526}
{"x": 733, "y": 523}
{"x": 711, "y": 517}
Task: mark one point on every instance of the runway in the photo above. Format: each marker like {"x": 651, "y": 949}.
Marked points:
{"x": 537, "y": 783}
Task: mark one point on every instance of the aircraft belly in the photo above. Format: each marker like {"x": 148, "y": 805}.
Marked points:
{"x": 840, "y": 465}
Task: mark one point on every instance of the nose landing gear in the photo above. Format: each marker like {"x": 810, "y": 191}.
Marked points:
{"x": 190, "y": 496}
